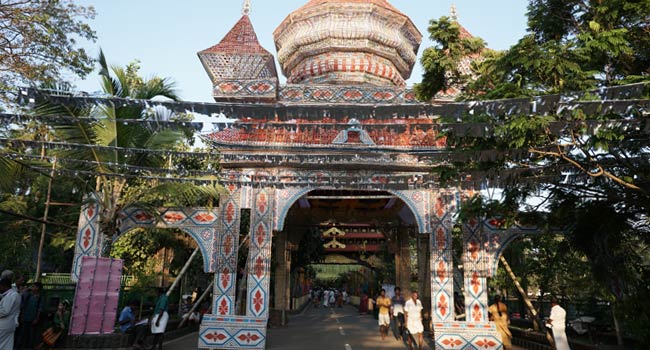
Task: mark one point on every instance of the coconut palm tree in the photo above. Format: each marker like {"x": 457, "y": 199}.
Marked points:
{"x": 109, "y": 127}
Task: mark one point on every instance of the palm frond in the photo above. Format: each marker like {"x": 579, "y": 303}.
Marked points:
{"x": 156, "y": 87}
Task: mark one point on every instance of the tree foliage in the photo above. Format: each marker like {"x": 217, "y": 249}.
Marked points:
{"x": 571, "y": 45}
{"x": 39, "y": 41}
{"x": 441, "y": 63}
{"x": 587, "y": 169}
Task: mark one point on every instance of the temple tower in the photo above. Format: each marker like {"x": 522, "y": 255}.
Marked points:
{"x": 239, "y": 67}
{"x": 347, "y": 42}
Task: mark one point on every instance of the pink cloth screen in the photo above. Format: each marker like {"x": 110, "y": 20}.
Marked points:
{"x": 98, "y": 291}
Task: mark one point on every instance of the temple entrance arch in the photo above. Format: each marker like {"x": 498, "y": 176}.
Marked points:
{"x": 379, "y": 229}
{"x": 416, "y": 200}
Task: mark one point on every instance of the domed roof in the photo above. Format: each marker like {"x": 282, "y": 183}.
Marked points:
{"x": 382, "y": 3}
{"x": 347, "y": 42}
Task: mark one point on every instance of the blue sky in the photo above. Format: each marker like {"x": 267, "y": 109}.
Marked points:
{"x": 165, "y": 35}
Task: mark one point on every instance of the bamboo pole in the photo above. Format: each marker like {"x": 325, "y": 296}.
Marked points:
{"x": 530, "y": 306}
{"x": 183, "y": 270}
{"x": 198, "y": 302}
{"x": 39, "y": 258}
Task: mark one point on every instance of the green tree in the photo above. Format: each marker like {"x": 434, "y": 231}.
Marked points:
{"x": 571, "y": 45}
{"x": 131, "y": 187}
{"x": 39, "y": 41}
{"x": 442, "y": 63}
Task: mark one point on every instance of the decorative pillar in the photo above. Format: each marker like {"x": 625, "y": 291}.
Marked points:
{"x": 89, "y": 237}
{"x": 442, "y": 265}
{"x": 226, "y": 245}
{"x": 259, "y": 256}
{"x": 474, "y": 257}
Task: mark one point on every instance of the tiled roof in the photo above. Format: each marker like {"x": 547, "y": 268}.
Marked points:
{"x": 241, "y": 39}
{"x": 464, "y": 33}
{"x": 382, "y": 3}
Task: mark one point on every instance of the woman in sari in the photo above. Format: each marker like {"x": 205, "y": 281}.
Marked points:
{"x": 499, "y": 314}
{"x": 363, "y": 304}
{"x": 54, "y": 336}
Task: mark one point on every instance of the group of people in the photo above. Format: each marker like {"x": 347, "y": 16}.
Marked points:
{"x": 407, "y": 319}
{"x": 130, "y": 324}
{"x": 405, "y": 316}
{"x": 329, "y": 297}
{"x": 24, "y": 322}
{"x": 498, "y": 312}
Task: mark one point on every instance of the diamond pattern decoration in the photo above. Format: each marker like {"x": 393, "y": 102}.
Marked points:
{"x": 249, "y": 337}
{"x": 464, "y": 336}
{"x": 453, "y": 342}
{"x": 173, "y": 217}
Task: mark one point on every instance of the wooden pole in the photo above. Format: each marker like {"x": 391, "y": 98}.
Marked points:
{"x": 183, "y": 270}
{"x": 198, "y": 301}
{"x": 39, "y": 257}
{"x": 530, "y": 306}
{"x": 619, "y": 334}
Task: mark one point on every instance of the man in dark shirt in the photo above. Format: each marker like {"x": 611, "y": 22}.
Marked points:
{"x": 397, "y": 311}
{"x": 31, "y": 315}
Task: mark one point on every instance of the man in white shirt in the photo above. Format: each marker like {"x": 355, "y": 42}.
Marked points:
{"x": 9, "y": 310}
{"x": 557, "y": 322}
{"x": 413, "y": 319}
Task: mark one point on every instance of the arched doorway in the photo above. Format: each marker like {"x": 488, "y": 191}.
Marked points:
{"x": 332, "y": 233}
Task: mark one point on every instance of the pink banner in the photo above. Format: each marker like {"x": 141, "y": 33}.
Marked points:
{"x": 96, "y": 297}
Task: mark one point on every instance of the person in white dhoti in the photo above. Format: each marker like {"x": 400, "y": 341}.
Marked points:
{"x": 557, "y": 322}
{"x": 159, "y": 320}
{"x": 9, "y": 310}
{"x": 413, "y": 319}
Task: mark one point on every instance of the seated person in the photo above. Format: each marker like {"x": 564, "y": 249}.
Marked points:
{"x": 193, "y": 317}
{"x": 128, "y": 324}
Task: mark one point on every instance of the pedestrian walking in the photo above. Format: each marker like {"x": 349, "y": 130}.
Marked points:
{"x": 9, "y": 310}
{"x": 413, "y": 317}
{"x": 499, "y": 314}
{"x": 363, "y": 304}
{"x": 557, "y": 323}
{"x": 159, "y": 320}
{"x": 397, "y": 312}
{"x": 383, "y": 304}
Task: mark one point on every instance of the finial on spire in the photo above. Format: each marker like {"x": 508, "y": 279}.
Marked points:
{"x": 246, "y": 9}
{"x": 454, "y": 13}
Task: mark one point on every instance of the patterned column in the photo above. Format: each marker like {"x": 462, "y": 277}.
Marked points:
{"x": 89, "y": 237}
{"x": 259, "y": 258}
{"x": 226, "y": 244}
{"x": 474, "y": 254}
{"x": 442, "y": 268}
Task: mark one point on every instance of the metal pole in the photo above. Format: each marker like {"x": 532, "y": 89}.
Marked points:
{"x": 183, "y": 270}
{"x": 39, "y": 257}
{"x": 198, "y": 301}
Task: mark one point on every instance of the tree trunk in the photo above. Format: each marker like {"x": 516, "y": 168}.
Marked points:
{"x": 619, "y": 334}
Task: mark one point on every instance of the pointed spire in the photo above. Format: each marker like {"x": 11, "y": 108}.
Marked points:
{"x": 246, "y": 9}
{"x": 454, "y": 13}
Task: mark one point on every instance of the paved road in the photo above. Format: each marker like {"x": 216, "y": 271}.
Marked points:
{"x": 318, "y": 329}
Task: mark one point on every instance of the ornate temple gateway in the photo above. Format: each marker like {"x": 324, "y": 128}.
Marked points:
{"x": 344, "y": 124}
{"x": 337, "y": 55}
